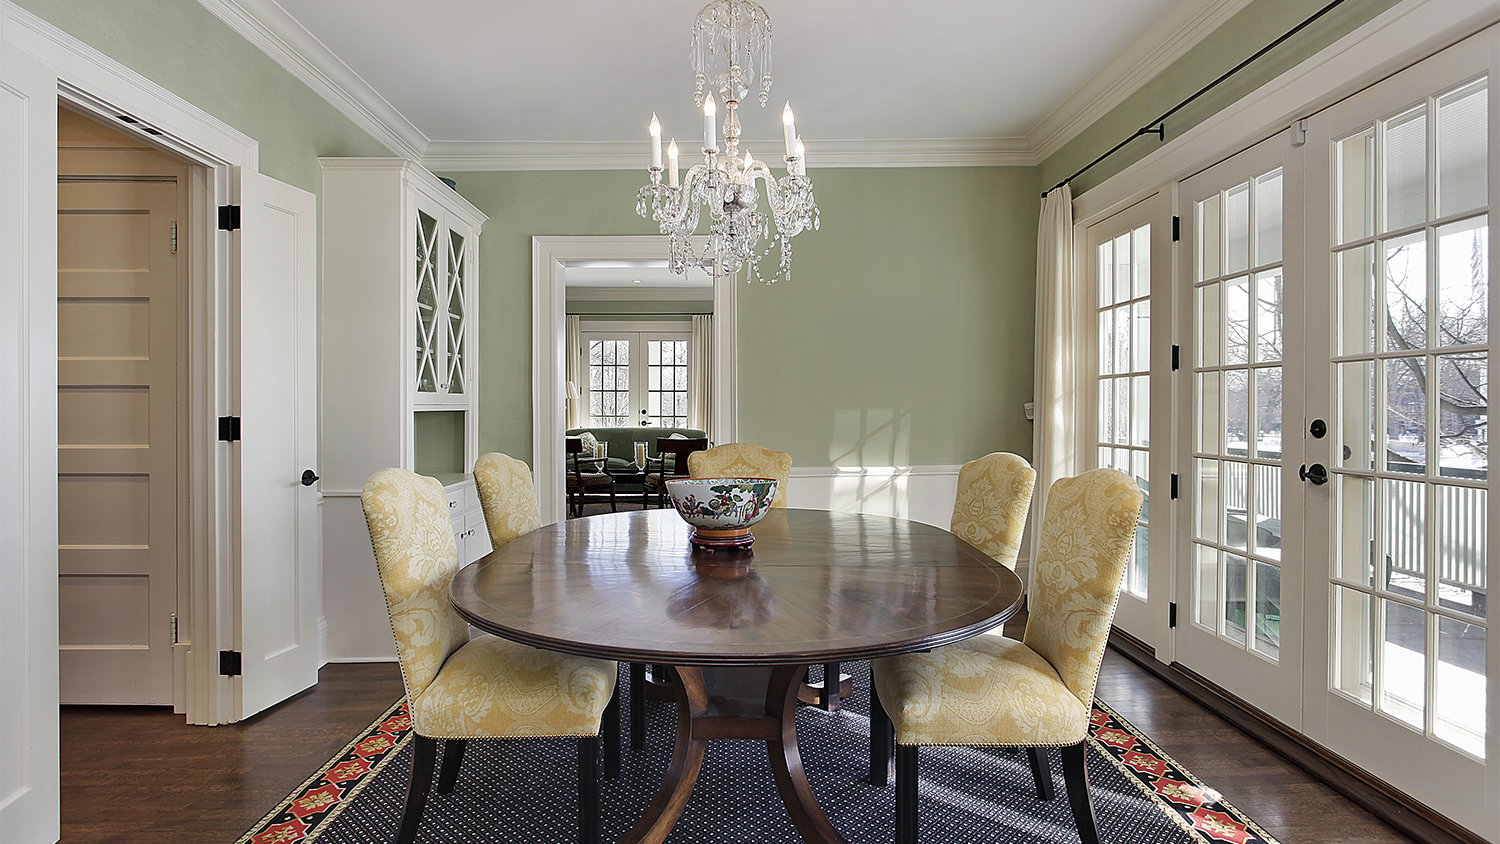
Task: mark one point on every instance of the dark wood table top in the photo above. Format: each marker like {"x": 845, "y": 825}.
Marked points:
{"x": 817, "y": 587}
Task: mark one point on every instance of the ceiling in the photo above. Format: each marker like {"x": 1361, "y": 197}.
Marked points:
{"x": 963, "y": 81}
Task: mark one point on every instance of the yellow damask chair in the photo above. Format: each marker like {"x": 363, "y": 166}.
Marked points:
{"x": 508, "y": 496}
{"x": 1036, "y": 693}
{"x": 459, "y": 688}
{"x": 994, "y": 496}
{"x": 743, "y": 460}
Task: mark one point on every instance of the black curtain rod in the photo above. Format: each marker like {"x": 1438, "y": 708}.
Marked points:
{"x": 1158, "y": 126}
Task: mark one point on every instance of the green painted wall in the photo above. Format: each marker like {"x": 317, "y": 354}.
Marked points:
{"x": 185, "y": 49}
{"x": 640, "y": 307}
{"x": 904, "y": 338}
{"x": 1255, "y": 26}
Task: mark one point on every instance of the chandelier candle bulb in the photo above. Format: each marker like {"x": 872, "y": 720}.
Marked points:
{"x": 672, "y": 163}
{"x": 655, "y": 142}
{"x": 710, "y": 129}
{"x": 789, "y": 129}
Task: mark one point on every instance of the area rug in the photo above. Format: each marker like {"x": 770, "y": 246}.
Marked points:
{"x": 524, "y": 791}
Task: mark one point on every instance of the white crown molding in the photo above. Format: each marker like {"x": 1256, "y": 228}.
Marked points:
{"x": 1166, "y": 41}
{"x": 467, "y": 156}
{"x": 265, "y": 24}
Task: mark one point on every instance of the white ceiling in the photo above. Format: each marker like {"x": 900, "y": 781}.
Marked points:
{"x": 962, "y": 81}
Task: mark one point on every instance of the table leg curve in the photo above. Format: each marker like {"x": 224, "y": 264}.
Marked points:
{"x": 687, "y": 761}
{"x": 786, "y": 759}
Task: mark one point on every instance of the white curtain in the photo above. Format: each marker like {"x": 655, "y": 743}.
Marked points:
{"x": 1058, "y": 355}
{"x": 577, "y": 415}
{"x": 700, "y": 373}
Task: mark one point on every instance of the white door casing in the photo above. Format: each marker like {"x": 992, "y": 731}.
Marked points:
{"x": 280, "y": 534}
{"x": 549, "y": 255}
{"x": 29, "y": 786}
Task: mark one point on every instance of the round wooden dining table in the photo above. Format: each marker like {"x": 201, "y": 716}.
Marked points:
{"x": 737, "y": 630}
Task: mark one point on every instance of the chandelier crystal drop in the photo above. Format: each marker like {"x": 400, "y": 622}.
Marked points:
{"x": 731, "y": 51}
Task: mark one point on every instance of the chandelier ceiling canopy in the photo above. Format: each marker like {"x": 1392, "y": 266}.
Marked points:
{"x": 731, "y": 54}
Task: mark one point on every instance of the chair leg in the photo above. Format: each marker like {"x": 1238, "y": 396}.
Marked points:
{"x": 1075, "y": 775}
{"x": 588, "y": 790}
{"x": 637, "y": 705}
{"x": 1041, "y": 772}
{"x": 831, "y": 675}
{"x": 614, "y": 505}
{"x": 423, "y": 757}
{"x": 882, "y": 735}
{"x": 906, "y": 794}
{"x": 453, "y": 757}
{"x": 611, "y": 736}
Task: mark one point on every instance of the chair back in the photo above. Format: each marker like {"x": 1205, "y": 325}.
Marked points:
{"x": 679, "y": 448}
{"x": 743, "y": 460}
{"x": 994, "y": 496}
{"x": 415, "y": 553}
{"x": 1087, "y": 533}
{"x": 508, "y": 496}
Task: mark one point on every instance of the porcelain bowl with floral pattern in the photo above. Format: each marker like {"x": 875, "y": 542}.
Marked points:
{"x": 722, "y": 510}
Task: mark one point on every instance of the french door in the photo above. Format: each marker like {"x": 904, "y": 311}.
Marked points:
{"x": 1335, "y": 509}
{"x": 637, "y": 378}
{"x": 1241, "y": 443}
{"x": 1122, "y": 354}
{"x": 1399, "y": 250}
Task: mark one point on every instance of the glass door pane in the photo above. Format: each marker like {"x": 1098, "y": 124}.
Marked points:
{"x": 428, "y": 301}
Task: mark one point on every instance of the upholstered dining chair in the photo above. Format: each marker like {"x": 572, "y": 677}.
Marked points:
{"x": 1036, "y": 693}
{"x": 994, "y": 496}
{"x": 458, "y": 688}
{"x": 743, "y": 460}
{"x": 508, "y": 496}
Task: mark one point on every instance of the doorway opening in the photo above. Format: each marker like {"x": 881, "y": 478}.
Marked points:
{"x": 123, "y": 305}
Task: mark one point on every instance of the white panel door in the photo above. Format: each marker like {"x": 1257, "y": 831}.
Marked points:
{"x": 1401, "y": 286}
{"x": 1241, "y": 535}
{"x": 28, "y": 450}
{"x": 280, "y": 533}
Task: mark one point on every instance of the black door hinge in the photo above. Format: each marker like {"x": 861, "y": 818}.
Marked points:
{"x": 229, "y": 217}
{"x": 1176, "y": 356}
{"x": 229, "y": 429}
{"x": 229, "y": 663}
{"x": 1176, "y": 229}
{"x": 1172, "y": 614}
{"x": 1173, "y": 493}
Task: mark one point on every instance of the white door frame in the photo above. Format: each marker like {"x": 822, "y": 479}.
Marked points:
{"x": 549, "y": 258}
{"x": 93, "y": 83}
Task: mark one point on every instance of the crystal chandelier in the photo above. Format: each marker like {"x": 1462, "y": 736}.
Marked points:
{"x": 731, "y": 50}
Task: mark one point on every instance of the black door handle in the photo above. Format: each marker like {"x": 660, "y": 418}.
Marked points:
{"x": 1316, "y": 474}
{"x": 309, "y": 477}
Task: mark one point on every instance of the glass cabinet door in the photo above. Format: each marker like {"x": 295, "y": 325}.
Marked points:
{"x": 456, "y": 357}
{"x": 429, "y": 363}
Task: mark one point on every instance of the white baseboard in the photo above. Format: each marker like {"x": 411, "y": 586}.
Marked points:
{"x": 348, "y": 660}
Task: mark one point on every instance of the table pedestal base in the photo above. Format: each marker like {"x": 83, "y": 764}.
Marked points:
{"x": 725, "y": 704}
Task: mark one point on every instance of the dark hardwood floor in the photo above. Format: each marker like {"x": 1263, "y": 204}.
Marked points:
{"x": 141, "y": 775}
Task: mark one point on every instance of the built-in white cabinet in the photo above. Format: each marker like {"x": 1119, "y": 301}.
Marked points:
{"x": 399, "y": 340}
